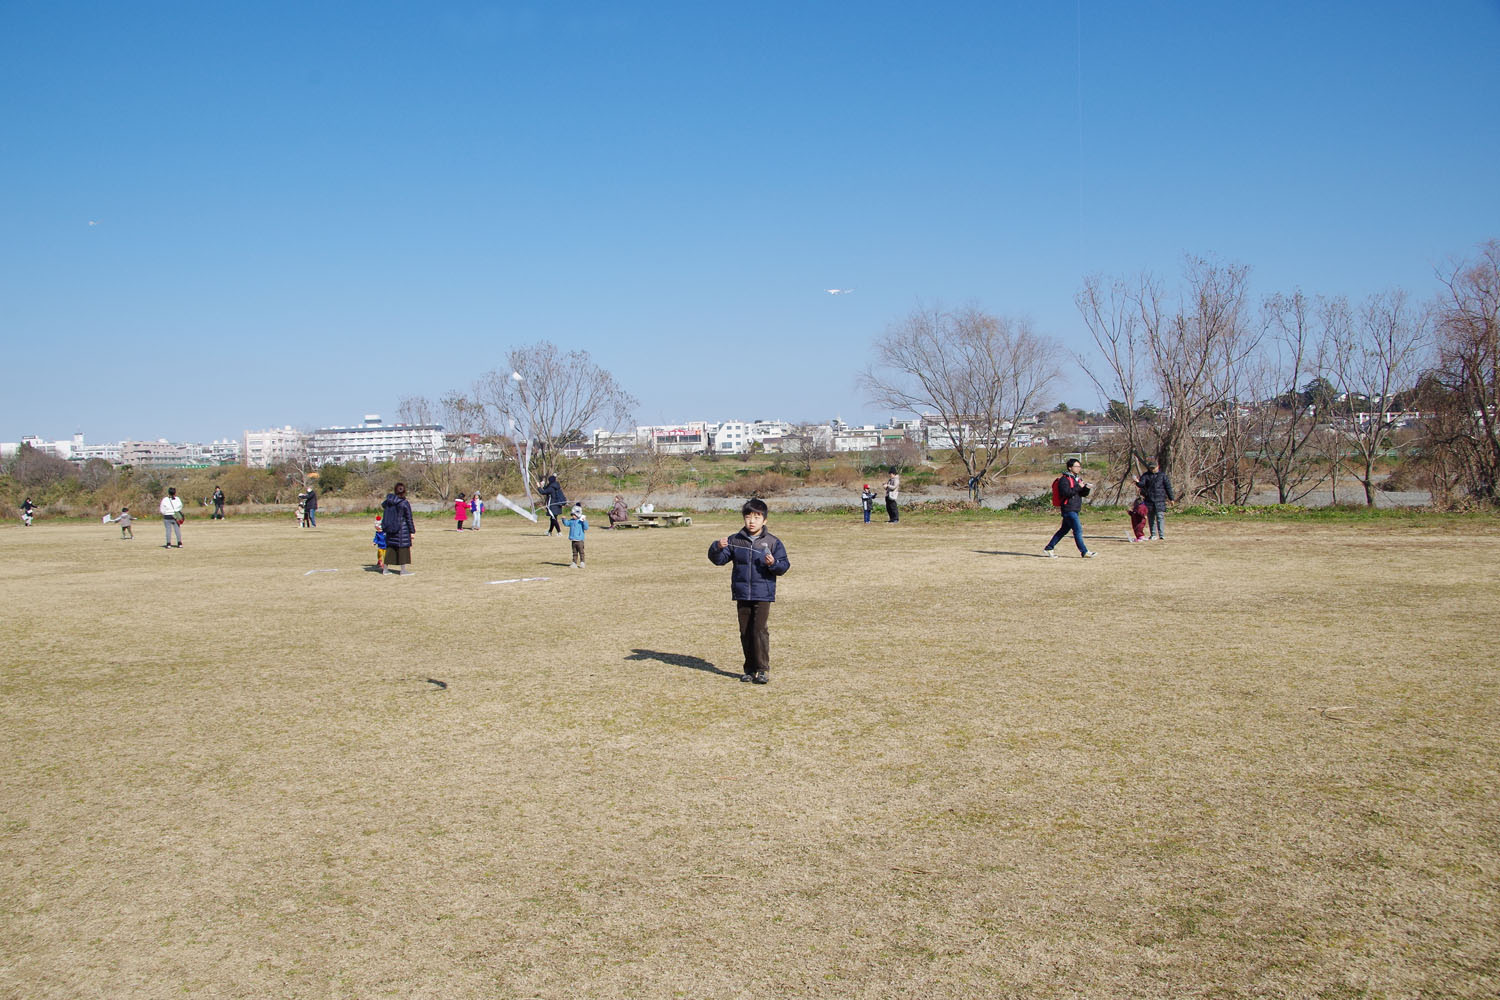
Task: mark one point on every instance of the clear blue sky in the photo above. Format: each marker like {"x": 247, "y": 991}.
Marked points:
{"x": 220, "y": 216}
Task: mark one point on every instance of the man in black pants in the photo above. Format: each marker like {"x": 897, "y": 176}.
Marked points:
{"x": 759, "y": 558}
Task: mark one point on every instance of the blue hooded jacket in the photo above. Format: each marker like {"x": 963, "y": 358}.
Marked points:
{"x": 751, "y": 579}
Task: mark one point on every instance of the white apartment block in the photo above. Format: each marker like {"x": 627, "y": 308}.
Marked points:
{"x": 675, "y": 439}
{"x": 264, "y": 449}
{"x": 373, "y": 441}
{"x": 158, "y": 454}
{"x": 731, "y": 437}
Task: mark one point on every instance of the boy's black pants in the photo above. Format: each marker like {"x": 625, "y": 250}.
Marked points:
{"x": 755, "y": 635}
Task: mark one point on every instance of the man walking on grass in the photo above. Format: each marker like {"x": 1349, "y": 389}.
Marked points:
{"x": 1068, "y": 493}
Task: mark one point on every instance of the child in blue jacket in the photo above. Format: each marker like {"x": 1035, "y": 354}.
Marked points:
{"x": 577, "y": 525}
{"x": 759, "y": 558}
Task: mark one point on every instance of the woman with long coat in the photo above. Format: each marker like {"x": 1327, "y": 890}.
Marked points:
{"x": 396, "y": 521}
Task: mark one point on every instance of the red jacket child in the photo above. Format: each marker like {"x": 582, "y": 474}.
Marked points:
{"x": 1138, "y": 515}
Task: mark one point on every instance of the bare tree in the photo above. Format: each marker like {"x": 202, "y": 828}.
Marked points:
{"x": 1463, "y": 389}
{"x": 1378, "y": 351}
{"x": 438, "y": 459}
{"x": 805, "y": 445}
{"x": 548, "y": 398}
{"x": 978, "y": 373}
{"x": 1288, "y": 409}
{"x": 1182, "y": 351}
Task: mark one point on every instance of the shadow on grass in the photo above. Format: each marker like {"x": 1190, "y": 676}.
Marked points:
{"x": 1039, "y": 554}
{"x": 679, "y": 660}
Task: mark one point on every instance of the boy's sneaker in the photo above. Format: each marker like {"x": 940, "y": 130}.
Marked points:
{"x": 1088, "y": 555}
{"x": 761, "y": 677}
{"x": 746, "y": 678}
{"x": 1049, "y": 553}
{"x": 583, "y": 565}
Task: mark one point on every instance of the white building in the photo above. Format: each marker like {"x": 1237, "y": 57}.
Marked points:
{"x": 731, "y": 437}
{"x": 675, "y": 439}
{"x": 264, "y": 449}
{"x": 614, "y": 442}
{"x": 373, "y": 441}
{"x": 158, "y": 454}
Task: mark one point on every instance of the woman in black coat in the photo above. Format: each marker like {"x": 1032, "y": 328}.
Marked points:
{"x": 553, "y": 494}
{"x": 396, "y": 521}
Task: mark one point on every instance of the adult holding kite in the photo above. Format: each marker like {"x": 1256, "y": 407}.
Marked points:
{"x": 552, "y": 492}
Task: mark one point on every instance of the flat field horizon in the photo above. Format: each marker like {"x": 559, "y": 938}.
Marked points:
{"x": 1256, "y": 760}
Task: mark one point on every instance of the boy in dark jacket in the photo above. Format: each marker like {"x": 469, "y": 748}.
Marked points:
{"x": 759, "y": 558}
{"x": 1071, "y": 490}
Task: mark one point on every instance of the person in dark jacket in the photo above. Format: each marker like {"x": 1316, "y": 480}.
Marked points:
{"x": 552, "y": 492}
{"x": 759, "y": 558}
{"x": 218, "y": 498}
{"x": 1157, "y": 489}
{"x": 1071, "y": 490}
{"x": 312, "y": 507}
{"x": 396, "y": 521}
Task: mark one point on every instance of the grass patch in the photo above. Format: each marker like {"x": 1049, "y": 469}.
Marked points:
{"x": 1258, "y": 760}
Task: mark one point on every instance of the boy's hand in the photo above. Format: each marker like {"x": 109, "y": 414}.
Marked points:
{"x": 724, "y": 542}
{"x": 770, "y": 559}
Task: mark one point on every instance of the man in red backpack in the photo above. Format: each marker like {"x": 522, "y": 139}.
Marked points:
{"x": 1068, "y": 492}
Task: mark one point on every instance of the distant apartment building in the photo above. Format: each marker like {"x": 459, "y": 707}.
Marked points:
{"x": 730, "y": 437}
{"x": 373, "y": 441}
{"x": 223, "y": 452}
{"x": 615, "y": 442}
{"x": 158, "y": 454}
{"x": 675, "y": 439}
{"x": 109, "y": 452}
{"x": 264, "y": 449}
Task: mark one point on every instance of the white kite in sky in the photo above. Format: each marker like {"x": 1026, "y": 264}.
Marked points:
{"x": 839, "y": 291}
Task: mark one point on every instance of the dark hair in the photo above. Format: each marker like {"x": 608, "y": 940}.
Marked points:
{"x": 400, "y": 488}
{"x": 1072, "y": 462}
{"x": 755, "y": 505}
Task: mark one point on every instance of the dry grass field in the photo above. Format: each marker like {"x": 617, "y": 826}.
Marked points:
{"x": 1259, "y": 760}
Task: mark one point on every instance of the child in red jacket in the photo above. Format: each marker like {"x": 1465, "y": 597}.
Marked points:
{"x": 460, "y": 511}
{"x": 1139, "y": 514}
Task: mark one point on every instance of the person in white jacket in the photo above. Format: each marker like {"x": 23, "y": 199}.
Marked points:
{"x": 171, "y": 516}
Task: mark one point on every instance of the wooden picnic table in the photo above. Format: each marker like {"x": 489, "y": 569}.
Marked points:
{"x": 659, "y": 518}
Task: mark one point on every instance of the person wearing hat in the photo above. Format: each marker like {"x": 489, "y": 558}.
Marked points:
{"x": 867, "y": 501}
{"x": 577, "y": 525}
{"x": 759, "y": 558}
{"x": 171, "y": 516}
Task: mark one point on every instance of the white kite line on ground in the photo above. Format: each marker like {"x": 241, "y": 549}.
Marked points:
{"x": 312, "y": 571}
{"x": 520, "y": 579}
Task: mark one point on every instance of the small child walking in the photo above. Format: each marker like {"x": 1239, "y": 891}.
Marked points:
{"x": 460, "y": 511}
{"x": 380, "y": 544}
{"x": 1139, "y": 515}
{"x": 576, "y": 525}
{"x": 125, "y": 521}
{"x": 867, "y": 501}
{"x": 759, "y": 558}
